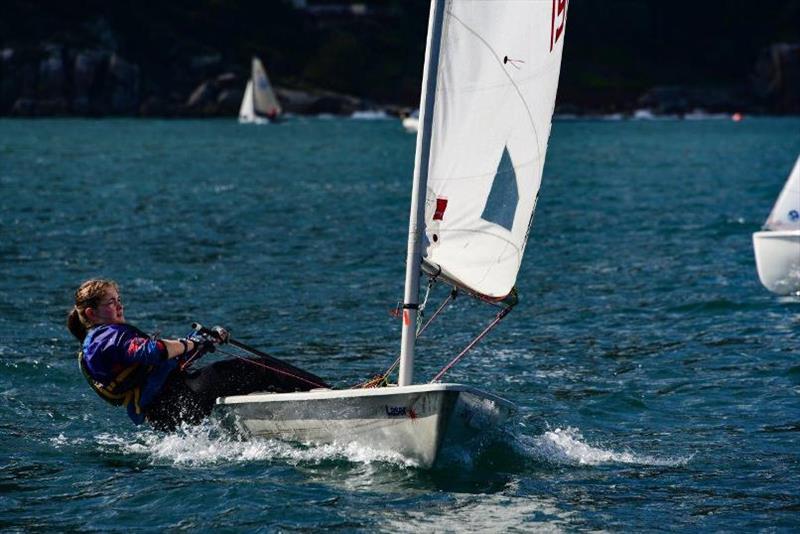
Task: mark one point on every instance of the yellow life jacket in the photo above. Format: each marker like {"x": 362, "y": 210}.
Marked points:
{"x": 124, "y": 389}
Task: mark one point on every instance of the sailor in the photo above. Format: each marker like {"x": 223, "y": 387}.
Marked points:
{"x": 126, "y": 367}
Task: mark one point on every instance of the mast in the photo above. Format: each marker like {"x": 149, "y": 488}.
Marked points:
{"x": 416, "y": 222}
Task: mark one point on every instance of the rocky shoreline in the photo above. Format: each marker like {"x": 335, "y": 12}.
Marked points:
{"x": 57, "y": 80}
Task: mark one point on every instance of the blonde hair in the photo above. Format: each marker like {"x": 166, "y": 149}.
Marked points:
{"x": 88, "y": 295}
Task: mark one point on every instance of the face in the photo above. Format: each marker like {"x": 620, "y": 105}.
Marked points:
{"x": 110, "y": 309}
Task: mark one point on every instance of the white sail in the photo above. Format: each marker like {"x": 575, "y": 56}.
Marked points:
{"x": 246, "y": 109}
{"x": 785, "y": 214}
{"x": 498, "y": 74}
{"x": 265, "y": 103}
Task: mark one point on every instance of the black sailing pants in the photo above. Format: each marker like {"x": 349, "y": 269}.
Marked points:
{"x": 189, "y": 396}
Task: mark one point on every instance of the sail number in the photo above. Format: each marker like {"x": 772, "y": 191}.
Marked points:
{"x": 557, "y": 21}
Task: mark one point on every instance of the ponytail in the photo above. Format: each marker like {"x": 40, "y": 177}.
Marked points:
{"x": 75, "y": 325}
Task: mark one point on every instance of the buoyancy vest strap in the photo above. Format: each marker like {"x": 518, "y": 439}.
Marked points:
{"x": 120, "y": 378}
{"x": 137, "y": 395}
{"x": 131, "y": 380}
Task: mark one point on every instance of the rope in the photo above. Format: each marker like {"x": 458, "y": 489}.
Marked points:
{"x": 190, "y": 360}
{"x": 377, "y": 380}
{"x": 280, "y": 371}
{"x": 497, "y": 319}
{"x": 273, "y": 369}
{"x": 421, "y": 307}
{"x": 450, "y": 297}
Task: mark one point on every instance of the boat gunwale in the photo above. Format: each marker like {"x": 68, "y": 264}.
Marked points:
{"x": 769, "y": 234}
{"x": 330, "y": 394}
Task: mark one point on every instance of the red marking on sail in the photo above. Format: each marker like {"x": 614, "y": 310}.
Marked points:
{"x": 441, "y": 205}
{"x": 559, "y": 13}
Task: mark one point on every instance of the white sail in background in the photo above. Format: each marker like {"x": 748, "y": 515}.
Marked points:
{"x": 259, "y": 105}
{"x": 265, "y": 103}
{"x": 498, "y": 74}
{"x": 246, "y": 109}
{"x": 785, "y": 214}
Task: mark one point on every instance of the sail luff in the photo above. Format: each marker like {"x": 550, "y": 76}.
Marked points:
{"x": 416, "y": 224}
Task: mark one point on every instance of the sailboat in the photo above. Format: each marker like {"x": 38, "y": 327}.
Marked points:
{"x": 259, "y": 104}
{"x": 411, "y": 122}
{"x": 488, "y": 93}
{"x": 777, "y": 246}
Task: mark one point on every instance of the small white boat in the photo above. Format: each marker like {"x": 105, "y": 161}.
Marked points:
{"x": 259, "y": 104}
{"x": 411, "y": 122}
{"x": 480, "y": 154}
{"x": 777, "y": 246}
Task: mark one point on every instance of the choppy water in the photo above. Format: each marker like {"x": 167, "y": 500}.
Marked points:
{"x": 658, "y": 382}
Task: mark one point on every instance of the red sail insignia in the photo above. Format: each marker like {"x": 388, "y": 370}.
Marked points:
{"x": 557, "y": 20}
{"x": 441, "y": 205}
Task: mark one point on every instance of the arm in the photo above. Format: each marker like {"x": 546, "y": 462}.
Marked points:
{"x": 143, "y": 349}
{"x": 151, "y": 351}
{"x": 179, "y": 347}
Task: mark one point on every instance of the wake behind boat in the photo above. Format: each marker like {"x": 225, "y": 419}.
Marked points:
{"x": 777, "y": 246}
{"x": 260, "y": 104}
{"x": 488, "y": 93}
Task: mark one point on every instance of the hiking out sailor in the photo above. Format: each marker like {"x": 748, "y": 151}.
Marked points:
{"x": 127, "y": 367}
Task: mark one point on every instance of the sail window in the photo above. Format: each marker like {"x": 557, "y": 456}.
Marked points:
{"x": 501, "y": 204}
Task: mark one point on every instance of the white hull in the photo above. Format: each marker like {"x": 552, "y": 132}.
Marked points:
{"x": 253, "y": 120}
{"x": 778, "y": 260}
{"x": 411, "y": 124}
{"x": 413, "y": 421}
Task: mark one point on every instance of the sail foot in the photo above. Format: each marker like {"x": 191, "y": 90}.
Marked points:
{"x": 436, "y": 272}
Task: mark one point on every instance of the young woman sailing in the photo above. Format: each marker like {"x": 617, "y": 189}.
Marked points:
{"x": 151, "y": 377}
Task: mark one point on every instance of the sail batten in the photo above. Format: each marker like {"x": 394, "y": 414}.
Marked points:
{"x": 495, "y": 95}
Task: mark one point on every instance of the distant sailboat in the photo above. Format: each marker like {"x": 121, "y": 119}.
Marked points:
{"x": 411, "y": 122}
{"x": 259, "y": 105}
{"x": 488, "y": 93}
{"x": 777, "y": 246}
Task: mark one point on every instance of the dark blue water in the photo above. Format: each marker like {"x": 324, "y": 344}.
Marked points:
{"x": 658, "y": 382}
